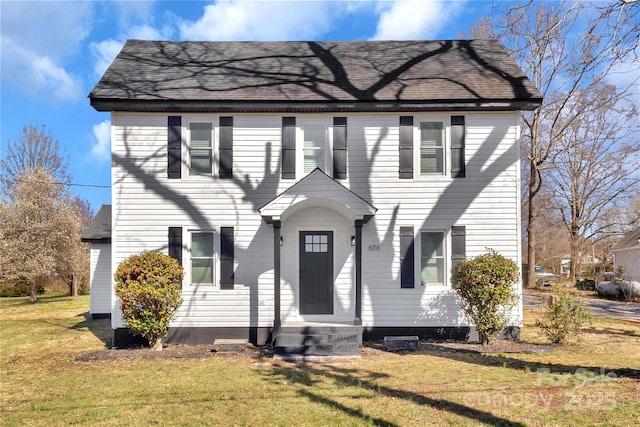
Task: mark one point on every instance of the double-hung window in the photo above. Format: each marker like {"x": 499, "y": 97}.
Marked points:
{"x": 202, "y": 257}
{"x": 200, "y": 148}
{"x": 316, "y": 152}
{"x": 432, "y": 258}
{"x": 432, "y": 148}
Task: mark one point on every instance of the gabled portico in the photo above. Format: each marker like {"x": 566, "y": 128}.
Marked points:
{"x": 313, "y": 244}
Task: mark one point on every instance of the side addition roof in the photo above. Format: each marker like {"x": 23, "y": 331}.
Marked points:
{"x": 168, "y": 76}
{"x": 99, "y": 231}
{"x": 630, "y": 240}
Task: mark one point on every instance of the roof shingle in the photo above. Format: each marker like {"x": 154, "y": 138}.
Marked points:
{"x": 155, "y": 73}
{"x": 99, "y": 231}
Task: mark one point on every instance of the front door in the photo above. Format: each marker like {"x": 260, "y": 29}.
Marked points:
{"x": 316, "y": 272}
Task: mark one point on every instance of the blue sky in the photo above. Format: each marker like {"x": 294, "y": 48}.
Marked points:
{"x": 54, "y": 52}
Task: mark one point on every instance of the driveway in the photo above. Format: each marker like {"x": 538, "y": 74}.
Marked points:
{"x": 598, "y": 307}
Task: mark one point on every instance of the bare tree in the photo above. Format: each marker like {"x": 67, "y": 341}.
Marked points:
{"x": 593, "y": 164}
{"x": 35, "y": 149}
{"x": 564, "y": 48}
{"x": 40, "y": 224}
{"x": 73, "y": 255}
{"x": 31, "y": 230}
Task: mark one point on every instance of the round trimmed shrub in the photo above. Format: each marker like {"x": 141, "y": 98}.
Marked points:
{"x": 150, "y": 287}
{"x": 484, "y": 284}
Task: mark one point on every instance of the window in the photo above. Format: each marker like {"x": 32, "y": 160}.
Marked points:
{"x": 432, "y": 265}
{"x": 202, "y": 258}
{"x": 431, "y": 148}
{"x": 200, "y": 148}
{"x": 315, "y": 147}
{"x": 316, "y": 243}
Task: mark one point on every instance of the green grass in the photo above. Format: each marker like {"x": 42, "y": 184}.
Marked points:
{"x": 43, "y": 385}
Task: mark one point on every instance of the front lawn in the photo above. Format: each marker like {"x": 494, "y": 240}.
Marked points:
{"x": 590, "y": 383}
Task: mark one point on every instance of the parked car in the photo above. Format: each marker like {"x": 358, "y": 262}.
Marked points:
{"x": 544, "y": 277}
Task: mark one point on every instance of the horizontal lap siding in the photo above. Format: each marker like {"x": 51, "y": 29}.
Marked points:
{"x": 485, "y": 202}
{"x": 101, "y": 280}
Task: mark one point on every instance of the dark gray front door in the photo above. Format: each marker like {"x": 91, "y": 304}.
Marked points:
{"x": 316, "y": 272}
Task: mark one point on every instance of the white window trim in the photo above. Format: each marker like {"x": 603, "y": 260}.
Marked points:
{"x": 300, "y": 122}
{"x": 446, "y": 253}
{"x": 446, "y": 125}
{"x": 216, "y": 259}
{"x": 186, "y": 154}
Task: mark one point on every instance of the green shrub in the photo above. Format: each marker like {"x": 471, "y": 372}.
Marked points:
{"x": 150, "y": 287}
{"x": 18, "y": 289}
{"x": 563, "y": 317}
{"x": 484, "y": 285}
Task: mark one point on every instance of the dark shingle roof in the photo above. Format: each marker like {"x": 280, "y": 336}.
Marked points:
{"x": 99, "y": 231}
{"x": 365, "y": 75}
{"x": 629, "y": 240}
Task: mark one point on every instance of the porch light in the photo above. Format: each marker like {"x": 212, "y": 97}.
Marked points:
{"x": 281, "y": 241}
{"x": 353, "y": 240}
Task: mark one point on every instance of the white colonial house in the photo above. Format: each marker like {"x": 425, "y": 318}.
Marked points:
{"x": 316, "y": 193}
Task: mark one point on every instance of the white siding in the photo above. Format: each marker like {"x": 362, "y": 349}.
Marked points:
{"x": 146, "y": 203}
{"x": 101, "y": 282}
{"x": 629, "y": 260}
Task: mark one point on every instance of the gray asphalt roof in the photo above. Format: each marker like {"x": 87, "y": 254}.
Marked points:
{"x": 99, "y": 231}
{"x": 363, "y": 71}
{"x": 629, "y": 240}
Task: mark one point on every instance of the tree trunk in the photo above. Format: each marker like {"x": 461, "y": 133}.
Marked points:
{"x": 33, "y": 294}
{"x": 531, "y": 241}
{"x": 74, "y": 285}
{"x": 157, "y": 345}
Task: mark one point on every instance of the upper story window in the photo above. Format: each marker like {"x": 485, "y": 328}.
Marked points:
{"x": 200, "y": 148}
{"x": 431, "y": 145}
{"x": 315, "y": 149}
{"x": 311, "y": 142}
{"x": 432, "y": 148}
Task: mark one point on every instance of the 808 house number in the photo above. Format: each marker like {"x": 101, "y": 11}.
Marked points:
{"x": 374, "y": 248}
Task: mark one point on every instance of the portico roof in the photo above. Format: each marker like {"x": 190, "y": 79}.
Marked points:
{"x": 317, "y": 190}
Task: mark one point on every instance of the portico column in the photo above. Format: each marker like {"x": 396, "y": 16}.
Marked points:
{"x": 276, "y": 275}
{"x": 358, "y": 315}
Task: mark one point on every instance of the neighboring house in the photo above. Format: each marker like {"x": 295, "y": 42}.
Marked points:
{"x": 316, "y": 193}
{"x": 98, "y": 234}
{"x": 626, "y": 254}
{"x": 587, "y": 262}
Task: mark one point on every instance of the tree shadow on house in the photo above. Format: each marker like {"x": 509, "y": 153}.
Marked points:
{"x": 321, "y": 74}
{"x": 307, "y": 377}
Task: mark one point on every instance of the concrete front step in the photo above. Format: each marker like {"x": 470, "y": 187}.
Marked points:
{"x": 318, "y": 341}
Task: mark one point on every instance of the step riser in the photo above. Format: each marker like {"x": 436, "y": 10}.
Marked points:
{"x": 318, "y": 341}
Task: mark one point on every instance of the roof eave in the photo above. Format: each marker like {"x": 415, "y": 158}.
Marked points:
{"x": 95, "y": 239}
{"x": 185, "y": 106}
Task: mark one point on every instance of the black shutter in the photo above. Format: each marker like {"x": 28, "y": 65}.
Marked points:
{"x": 406, "y": 147}
{"x": 174, "y": 147}
{"x": 458, "y": 244}
{"x": 225, "y": 170}
{"x": 175, "y": 243}
{"x": 288, "y": 148}
{"x": 406, "y": 258}
{"x": 340, "y": 147}
{"x": 226, "y": 257}
{"x": 457, "y": 147}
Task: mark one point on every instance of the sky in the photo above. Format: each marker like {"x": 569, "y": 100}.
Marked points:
{"x": 52, "y": 53}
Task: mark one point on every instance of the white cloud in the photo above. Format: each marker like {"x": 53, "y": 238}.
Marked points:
{"x": 414, "y": 19}
{"x": 263, "y": 20}
{"x": 102, "y": 134}
{"x": 37, "y": 38}
{"x": 103, "y": 53}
